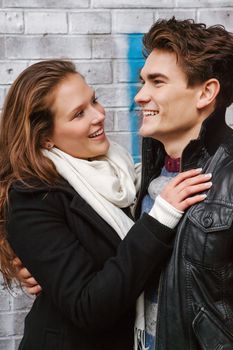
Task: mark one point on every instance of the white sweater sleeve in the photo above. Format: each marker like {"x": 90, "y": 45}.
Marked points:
{"x": 165, "y": 213}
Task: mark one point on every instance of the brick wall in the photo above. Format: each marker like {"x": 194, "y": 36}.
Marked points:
{"x": 103, "y": 37}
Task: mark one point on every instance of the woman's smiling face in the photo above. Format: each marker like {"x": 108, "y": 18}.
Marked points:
{"x": 78, "y": 119}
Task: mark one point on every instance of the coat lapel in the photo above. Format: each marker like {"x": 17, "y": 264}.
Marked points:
{"x": 83, "y": 209}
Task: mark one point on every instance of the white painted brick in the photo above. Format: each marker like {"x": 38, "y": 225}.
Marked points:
{"x": 45, "y": 22}
{"x": 2, "y": 95}
{"x": 10, "y": 70}
{"x": 229, "y": 116}
{"x": 127, "y": 121}
{"x": 46, "y": 3}
{"x": 5, "y": 300}
{"x": 2, "y": 48}
{"x": 22, "y": 301}
{"x": 179, "y": 14}
{"x": 6, "y": 324}
{"x": 35, "y": 47}
{"x": 109, "y": 47}
{"x": 131, "y": 21}
{"x": 204, "y": 3}
{"x": 116, "y": 47}
{"x": 109, "y": 121}
{"x": 96, "y": 72}
{"x": 95, "y": 22}
{"x": 133, "y": 3}
{"x": 127, "y": 71}
{"x": 18, "y": 324}
{"x": 17, "y": 342}
{"x": 211, "y": 17}
{"x": 120, "y": 71}
{"x": 113, "y": 96}
{"x": 7, "y": 344}
{"x": 1, "y": 282}
{"x": 11, "y": 22}
{"x": 124, "y": 139}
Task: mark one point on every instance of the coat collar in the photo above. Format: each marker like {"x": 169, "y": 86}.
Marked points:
{"x": 214, "y": 132}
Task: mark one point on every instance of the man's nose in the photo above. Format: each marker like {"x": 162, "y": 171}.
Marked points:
{"x": 142, "y": 96}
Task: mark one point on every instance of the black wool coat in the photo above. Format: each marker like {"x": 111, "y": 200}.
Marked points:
{"x": 90, "y": 278}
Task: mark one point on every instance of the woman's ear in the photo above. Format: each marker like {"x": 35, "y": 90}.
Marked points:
{"x": 208, "y": 93}
{"x": 47, "y": 143}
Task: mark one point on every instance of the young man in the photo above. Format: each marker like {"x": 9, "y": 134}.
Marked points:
{"x": 187, "y": 86}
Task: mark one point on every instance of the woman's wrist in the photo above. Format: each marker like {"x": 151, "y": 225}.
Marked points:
{"x": 165, "y": 213}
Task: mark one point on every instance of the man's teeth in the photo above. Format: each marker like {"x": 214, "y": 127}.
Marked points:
{"x": 150, "y": 113}
{"x": 97, "y": 133}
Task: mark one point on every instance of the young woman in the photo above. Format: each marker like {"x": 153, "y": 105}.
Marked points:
{"x": 66, "y": 193}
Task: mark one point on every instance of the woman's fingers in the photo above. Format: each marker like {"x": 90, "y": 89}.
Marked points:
{"x": 191, "y": 201}
{"x": 185, "y": 175}
{"x": 192, "y": 181}
{"x": 189, "y": 196}
{"x": 194, "y": 189}
{"x": 185, "y": 189}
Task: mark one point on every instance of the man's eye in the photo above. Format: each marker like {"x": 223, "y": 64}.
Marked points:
{"x": 157, "y": 81}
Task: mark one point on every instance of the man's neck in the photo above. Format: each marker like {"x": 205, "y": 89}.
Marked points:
{"x": 175, "y": 148}
{"x": 174, "y": 145}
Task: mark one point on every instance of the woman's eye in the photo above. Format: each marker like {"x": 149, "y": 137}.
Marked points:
{"x": 95, "y": 100}
{"x": 79, "y": 114}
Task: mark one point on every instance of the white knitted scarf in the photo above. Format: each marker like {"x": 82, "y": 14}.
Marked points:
{"x": 107, "y": 184}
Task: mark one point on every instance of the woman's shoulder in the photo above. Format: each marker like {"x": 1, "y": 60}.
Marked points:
{"x": 34, "y": 185}
{"x": 35, "y": 191}
{"x": 35, "y": 196}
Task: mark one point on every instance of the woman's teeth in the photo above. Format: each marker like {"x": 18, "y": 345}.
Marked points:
{"x": 97, "y": 133}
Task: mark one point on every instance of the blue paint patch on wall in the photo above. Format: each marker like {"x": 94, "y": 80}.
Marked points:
{"x": 135, "y": 63}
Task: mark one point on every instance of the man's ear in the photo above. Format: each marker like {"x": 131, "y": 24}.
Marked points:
{"x": 47, "y": 143}
{"x": 208, "y": 93}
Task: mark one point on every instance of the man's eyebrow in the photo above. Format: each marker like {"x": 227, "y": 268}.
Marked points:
{"x": 153, "y": 76}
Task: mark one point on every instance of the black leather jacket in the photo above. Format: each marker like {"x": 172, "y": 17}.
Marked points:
{"x": 196, "y": 288}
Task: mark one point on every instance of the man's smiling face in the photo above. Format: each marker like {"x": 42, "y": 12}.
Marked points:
{"x": 168, "y": 105}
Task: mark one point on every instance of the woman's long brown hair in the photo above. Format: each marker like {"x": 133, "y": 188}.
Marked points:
{"x": 26, "y": 120}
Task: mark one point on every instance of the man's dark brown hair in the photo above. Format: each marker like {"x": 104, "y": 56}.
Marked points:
{"x": 202, "y": 52}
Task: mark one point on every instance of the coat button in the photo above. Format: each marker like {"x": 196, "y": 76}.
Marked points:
{"x": 207, "y": 221}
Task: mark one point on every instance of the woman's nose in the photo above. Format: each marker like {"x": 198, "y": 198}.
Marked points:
{"x": 98, "y": 117}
